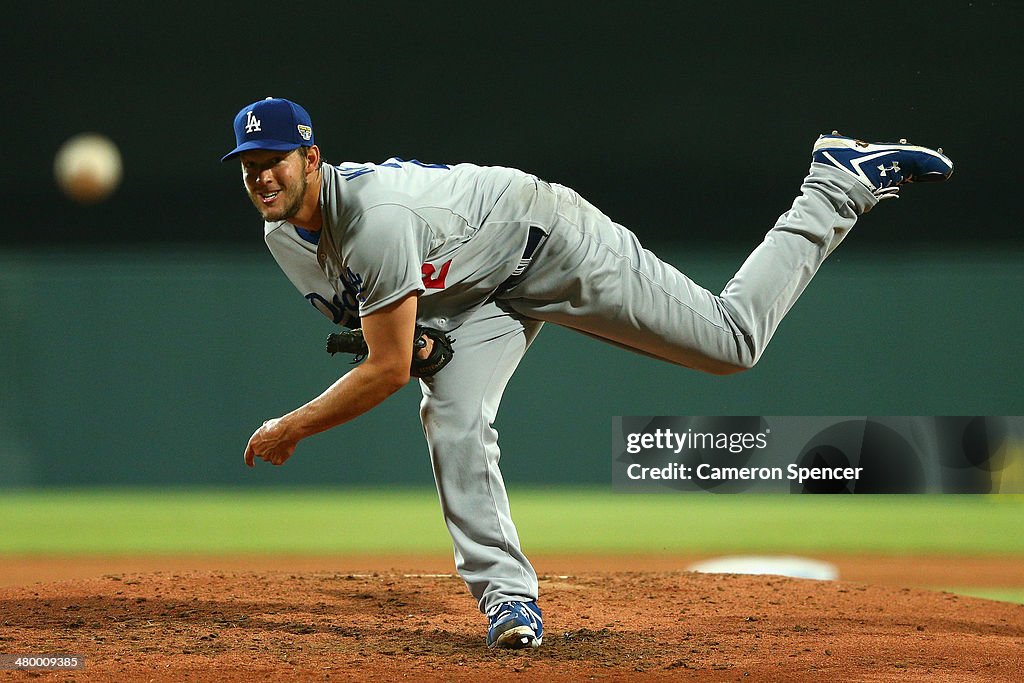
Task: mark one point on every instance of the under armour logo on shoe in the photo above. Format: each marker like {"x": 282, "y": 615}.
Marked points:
{"x": 252, "y": 124}
{"x": 534, "y": 618}
{"x": 882, "y": 170}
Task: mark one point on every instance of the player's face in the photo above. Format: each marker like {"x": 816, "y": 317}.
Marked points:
{"x": 276, "y": 182}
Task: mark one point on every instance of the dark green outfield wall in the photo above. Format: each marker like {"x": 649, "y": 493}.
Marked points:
{"x": 144, "y": 369}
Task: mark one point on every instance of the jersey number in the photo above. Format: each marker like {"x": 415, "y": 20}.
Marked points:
{"x": 433, "y": 279}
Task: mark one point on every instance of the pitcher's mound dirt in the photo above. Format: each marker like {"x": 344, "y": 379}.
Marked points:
{"x": 247, "y": 626}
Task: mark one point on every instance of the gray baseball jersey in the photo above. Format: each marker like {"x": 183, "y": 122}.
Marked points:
{"x": 451, "y": 233}
{"x": 458, "y": 235}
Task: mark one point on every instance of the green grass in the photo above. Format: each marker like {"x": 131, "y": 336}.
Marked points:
{"x": 1002, "y": 594}
{"x": 549, "y": 520}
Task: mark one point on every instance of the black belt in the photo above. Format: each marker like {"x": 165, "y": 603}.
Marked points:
{"x": 534, "y": 239}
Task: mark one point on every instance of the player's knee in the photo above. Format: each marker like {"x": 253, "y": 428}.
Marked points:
{"x": 736, "y": 363}
{"x": 725, "y": 369}
{"x": 745, "y": 363}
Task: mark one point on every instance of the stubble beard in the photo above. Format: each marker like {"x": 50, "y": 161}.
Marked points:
{"x": 288, "y": 210}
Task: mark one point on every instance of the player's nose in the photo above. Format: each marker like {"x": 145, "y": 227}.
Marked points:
{"x": 264, "y": 176}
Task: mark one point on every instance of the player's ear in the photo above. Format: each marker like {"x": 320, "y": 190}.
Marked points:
{"x": 312, "y": 158}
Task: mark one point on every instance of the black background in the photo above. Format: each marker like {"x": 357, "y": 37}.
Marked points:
{"x": 687, "y": 122}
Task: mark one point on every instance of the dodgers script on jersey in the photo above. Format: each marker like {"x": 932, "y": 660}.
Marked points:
{"x": 404, "y": 226}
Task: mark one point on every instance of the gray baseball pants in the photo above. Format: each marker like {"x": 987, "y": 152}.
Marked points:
{"x": 592, "y": 275}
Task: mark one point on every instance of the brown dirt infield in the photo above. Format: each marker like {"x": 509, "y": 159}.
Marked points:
{"x": 311, "y": 623}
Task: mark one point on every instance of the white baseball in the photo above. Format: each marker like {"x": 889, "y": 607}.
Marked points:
{"x": 88, "y": 167}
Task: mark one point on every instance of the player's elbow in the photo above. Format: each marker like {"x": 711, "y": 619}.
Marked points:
{"x": 394, "y": 379}
{"x": 393, "y": 376}
{"x": 389, "y": 377}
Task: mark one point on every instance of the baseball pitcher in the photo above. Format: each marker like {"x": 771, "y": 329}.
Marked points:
{"x": 447, "y": 273}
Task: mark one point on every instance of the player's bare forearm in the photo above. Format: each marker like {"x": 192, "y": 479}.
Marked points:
{"x": 361, "y": 389}
{"x": 388, "y": 335}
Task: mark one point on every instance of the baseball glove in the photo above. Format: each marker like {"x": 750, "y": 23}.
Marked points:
{"x": 351, "y": 341}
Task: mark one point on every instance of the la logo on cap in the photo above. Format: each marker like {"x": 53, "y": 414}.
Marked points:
{"x": 252, "y": 124}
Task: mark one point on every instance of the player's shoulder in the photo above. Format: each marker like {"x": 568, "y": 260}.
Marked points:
{"x": 275, "y": 229}
{"x": 355, "y": 188}
{"x": 395, "y": 169}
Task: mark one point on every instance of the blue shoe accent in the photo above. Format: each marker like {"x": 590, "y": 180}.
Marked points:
{"x": 515, "y": 625}
{"x": 882, "y": 167}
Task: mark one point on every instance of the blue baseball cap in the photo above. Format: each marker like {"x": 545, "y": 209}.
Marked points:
{"x": 272, "y": 123}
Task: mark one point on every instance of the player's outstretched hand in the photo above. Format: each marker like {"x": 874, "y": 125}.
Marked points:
{"x": 270, "y": 443}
